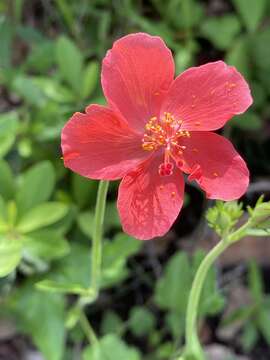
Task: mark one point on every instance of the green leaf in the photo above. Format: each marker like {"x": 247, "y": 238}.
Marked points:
{"x": 46, "y": 244}
{"x": 239, "y": 56}
{"x": 90, "y": 79}
{"x": 115, "y": 255}
{"x": 71, "y": 273}
{"x": 255, "y": 281}
{"x": 8, "y": 131}
{"x": 263, "y": 322}
{"x": 141, "y": 321}
{"x": 110, "y": 347}
{"x": 41, "y": 216}
{"x": 7, "y": 186}
{"x": 251, "y": 12}
{"x": 41, "y": 315}
{"x": 36, "y": 186}
{"x": 249, "y": 336}
{"x": 261, "y": 52}
{"x": 10, "y": 254}
{"x": 176, "y": 324}
{"x": 248, "y": 121}
{"x": 173, "y": 287}
{"x": 221, "y": 31}
{"x": 25, "y": 87}
{"x": 84, "y": 190}
{"x": 6, "y": 37}
{"x": 70, "y": 61}
{"x": 53, "y": 90}
{"x": 111, "y": 323}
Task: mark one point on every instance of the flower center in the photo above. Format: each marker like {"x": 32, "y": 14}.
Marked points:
{"x": 165, "y": 132}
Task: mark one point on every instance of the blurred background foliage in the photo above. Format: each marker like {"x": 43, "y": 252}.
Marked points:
{"x": 50, "y": 56}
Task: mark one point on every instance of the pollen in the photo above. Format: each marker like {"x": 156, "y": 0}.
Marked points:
{"x": 197, "y": 123}
{"x": 173, "y": 194}
{"x": 215, "y": 174}
{"x": 165, "y": 133}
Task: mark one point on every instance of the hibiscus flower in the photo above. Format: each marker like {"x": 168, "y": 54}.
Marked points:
{"x": 154, "y": 129}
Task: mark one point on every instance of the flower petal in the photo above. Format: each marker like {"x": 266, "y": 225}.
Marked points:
{"x": 213, "y": 162}
{"x": 100, "y": 144}
{"x": 136, "y": 75}
{"x": 205, "y": 97}
{"x": 148, "y": 204}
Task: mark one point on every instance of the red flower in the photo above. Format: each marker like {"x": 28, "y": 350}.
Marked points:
{"x": 154, "y": 129}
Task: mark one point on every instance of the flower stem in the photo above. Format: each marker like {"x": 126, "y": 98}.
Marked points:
{"x": 97, "y": 236}
{"x": 193, "y": 350}
{"x": 193, "y": 347}
{"x": 87, "y": 328}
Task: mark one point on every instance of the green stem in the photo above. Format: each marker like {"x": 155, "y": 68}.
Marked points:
{"x": 192, "y": 342}
{"x": 97, "y": 236}
{"x": 87, "y": 328}
{"x": 193, "y": 348}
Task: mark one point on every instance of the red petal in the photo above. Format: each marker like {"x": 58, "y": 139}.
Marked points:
{"x": 148, "y": 203}
{"x": 205, "y": 97}
{"x": 213, "y": 162}
{"x": 100, "y": 145}
{"x": 136, "y": 75}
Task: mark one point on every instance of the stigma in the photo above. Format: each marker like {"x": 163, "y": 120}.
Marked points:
{"x": 165, "y": 132}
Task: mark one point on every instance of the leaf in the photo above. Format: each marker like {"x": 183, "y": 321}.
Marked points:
{"x": 176, "y": 324}
{"x": 115, "y": 255}
{"x": 71, "y": 273}
{"x": 39, "y": 176}
{"x": 90, "y": 79}
{"x": 8, "y": 131}
{"x": 173, "y": 287}
{"x": 251, "y": 12}
{"x": 6, "y": 37}
{"x": 263, "y": 322}
{"x": 239, "y": 56}
{"x": 83, "y": 190}
{"x": 221, "y": 30}
{"x": 248, "y": 121}
{"x": 41, "y": 216}
{"x": 110, "y": 347}
{"x": 10, "y": 255}
{"x": 53, "y": 90}
{"x": 7, "y": 186}
{"x": 141, "y": 321}
{"x": 255, "y": 282}
{"x": 44, "y": 319}
{"x": 70, "y": 62}
{"x": 111, "y": 322}
{"x": 25, "y": 87}
{"x": 261, "y": 52}
{"x": 46, "y": 244}
{"x": 249, "y": 336}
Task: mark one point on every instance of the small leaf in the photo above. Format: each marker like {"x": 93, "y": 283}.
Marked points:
{"x": 248, "y": 121}
{"x": 173, "y": 287}
{"x": 41, "y": 216}
{"x": 10, "y": 255}
{"x": 255, "y": 281}
{"x": 249, "y": 336}
{"x": 44, "y": 319}
{"x": 111, "y": 323}
{"x": 70, "y": 62}
{"x": 251, "y": 12}
{"x": 90, "y": 79}
{"x": 7, "y": 186}
{"x": 25, "y": 87}
{"x": 110, "y": 347}
{"x": 45, "y": 244}
{"x": 39, "y": 177}
{"x": 141, "y": 321}
{"x": 239, "y": 56}
{"x": 263, "y": 322}
{"x": 221, "y": 30}
{"x": 8, "y": 131}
